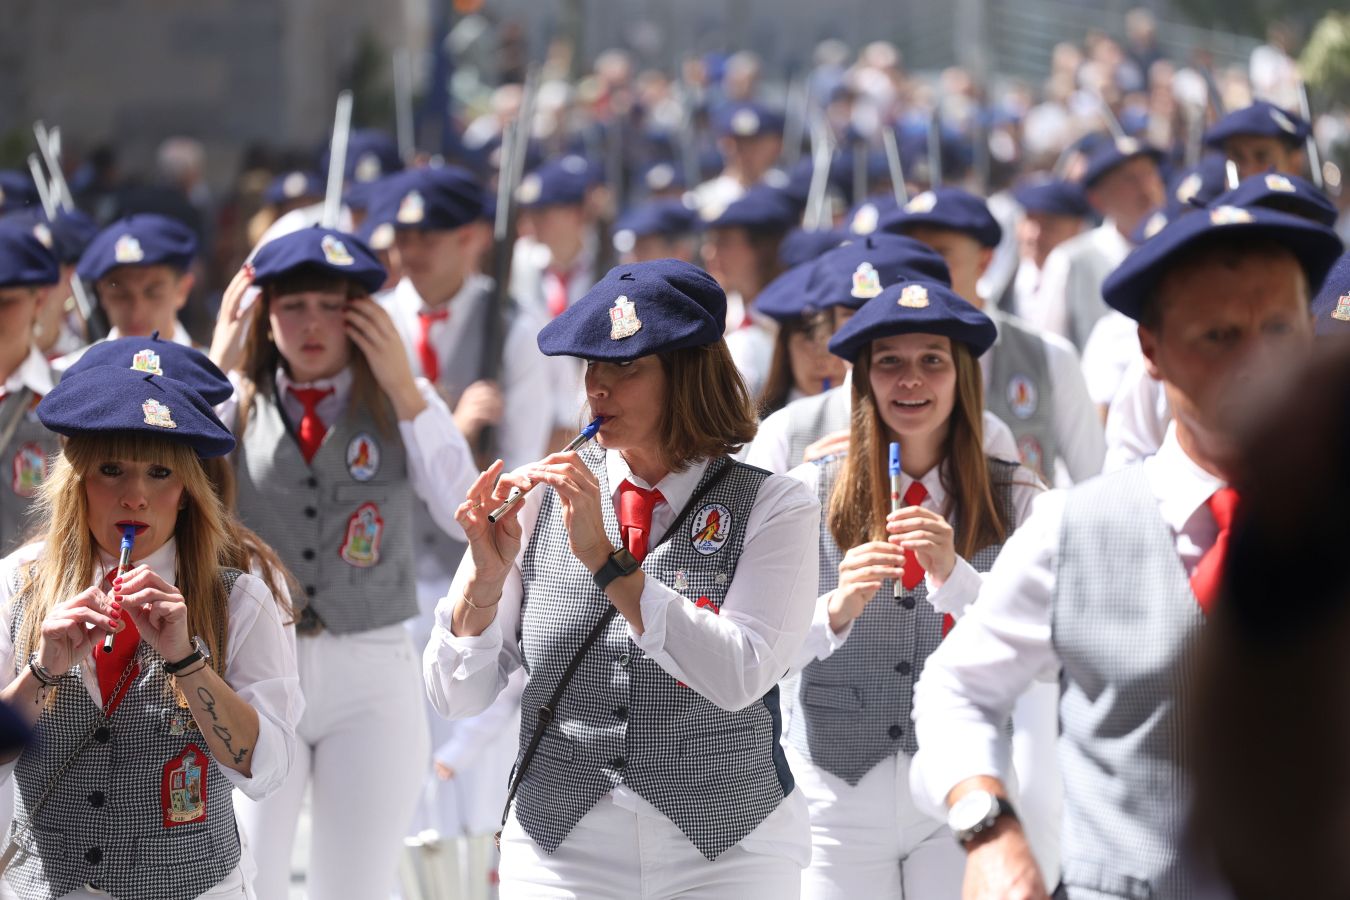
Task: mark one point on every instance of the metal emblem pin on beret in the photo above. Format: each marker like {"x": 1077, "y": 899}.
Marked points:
{"x": 1342, "y": 310}
{"x": 573, "y": 164}
{"x": 1189, "y": 187}
{"x": 531, "y": 186}
{"x": 623, "y": 318}
{"x": 294, "y": 185}
{"x": 660, "y": 176}
{"x": 157, "y": 414}
{"x": 412, "y": 208}
{"x": 335, "y": 251}
{"x": 865, "y": 219}
{"x": 1284, "y": 122}
{"x": 1229, "y": 215}
{"x": 1126, "y": 146}
{"x": 922, "y": 203}
{"x": 128, "y": 249}
{"x": 744, "y": 123}
{"x": 368, "y": 167}
{"x": 866, "y": 282}
{"x": 914, "y": 296}
{"x": 1277, "y": 182}
{"x": 1156, "y": 223}
{"x": 43, "y": 234}
{"x": 147, "y": 361}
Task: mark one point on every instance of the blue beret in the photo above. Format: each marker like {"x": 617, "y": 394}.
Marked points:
{"x": 319, "y": 248}
{"x": 436, "y": 199}
{"x": 17, "y": 191}
{"x": 746, "y": 120}
{"x": 25, "y": 261}
{"x": 856, "y": 272}
{"x": 1054, "y": 197}
{"x": 72, "y": 232}
{"x": 800, "y": 245}
{"x": 909, "y": 307}
{"x": 156, "y": 356}
{"x": 638, "y": 310}
{"x": 1331, "y": 306}
{"x": 290, "y": 186}
{"x": 143, "y": 239}
{"x": 103, "y": 399}
{"x": 950, "y": 208}
{"x": 371, "y": 154}
{"x": 662, "y": 176}
{"x": 666, "y": 217}
{"x": 1286, "y": 193}
{"x": 867, "y": 215}
{"x": 558, "y": 182}
{"x": 1200, "y": 184}
{"x": 761, "y": 208}
{"x": 1110, "y": 155}
{"x": 1136, "y": 279}
{"x": 784, "y": 298}
{"x": 1261, "y": 119}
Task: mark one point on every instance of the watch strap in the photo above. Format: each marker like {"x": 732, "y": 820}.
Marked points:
{"x": 1001, "y": 809}
{"x": 173, "y": 668}
{"x": 619, "y": 563}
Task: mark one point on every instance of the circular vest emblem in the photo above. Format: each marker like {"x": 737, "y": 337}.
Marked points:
{"x": 29, "y": 470}
{"x": 1022, "y": 396}
{"x": 363, "y": 457}
{"x": 1032, "y": 455}
{"x": 710, "y": 529}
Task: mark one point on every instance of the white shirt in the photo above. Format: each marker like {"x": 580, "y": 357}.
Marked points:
{"x": 1137, "y": 421}
{"x": 1105, "y": 243}
{"x": 732, "y": 659}
{"x": 1110, "y": 349}
{"x": 440, "y": 466}
{"x": 1028, "y": 304}
{"x": 33, "y": 373}
{"x": 971, "y": 682}
{"x": 524, "y": 380}
{"x": 769, "y": 450}
{"x": 260, "y": 662}
{"x": 955, "y": 595}
{"x": 750, "y": 338}
{"x": 1078, "y": 425}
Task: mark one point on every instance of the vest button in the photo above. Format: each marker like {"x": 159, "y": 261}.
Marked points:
{"x": 618, "y": 762}
{"x": 903, "y": 667}
{"x": 310, "y": 590}
{"x": 312, "y": 482}
{"x": 624, "y": 659}
{"x": 621, "y": 713}
{"x": 307, "y": 553}
{"x": 93, "y": 856}
{"x": 102, "y": 734}
{"x": 96, "y": 799}
{"x": 907, "y": 602}
{"x": 311, "y": 512}
{"x": 896, "y": 731}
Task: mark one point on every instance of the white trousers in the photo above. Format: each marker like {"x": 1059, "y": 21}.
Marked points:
{"x": 618, "y": 854}
{"x": 363, "y": 752}
{"x": 232, "y": 887}
{"x": 870, "y": 841}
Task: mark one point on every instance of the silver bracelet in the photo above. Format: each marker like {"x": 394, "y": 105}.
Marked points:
{"x": 41, "y": 673}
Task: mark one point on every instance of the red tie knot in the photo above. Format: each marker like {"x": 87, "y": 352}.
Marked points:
{"x": 635, "y": 516}
{"x": 310, "y": 398}
{"x": 434, "y": 315}
{"x": 1222, "y": 504}
{"x": 915, "y": 494}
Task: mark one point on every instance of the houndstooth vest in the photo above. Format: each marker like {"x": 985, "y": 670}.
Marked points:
{"x": 811, "y": 418}
{"x": 103, "y": 822}
{"x": 1123, "y": 625}
{"x": 1022, "y": 394}
{"x": 25, "y": 459}
{"x": 623, "y": 720}
{"x": 342, "y": 522}
{"x": 852, "y": 709}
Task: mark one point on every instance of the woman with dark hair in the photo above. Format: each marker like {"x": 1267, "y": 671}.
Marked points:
{"x": 655, "y": 591}
{"x": 897, "y": 564}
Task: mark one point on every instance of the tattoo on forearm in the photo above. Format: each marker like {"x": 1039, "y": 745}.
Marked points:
{"x": 220, "y": 731}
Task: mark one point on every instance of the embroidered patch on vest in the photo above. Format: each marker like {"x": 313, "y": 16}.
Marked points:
{"x": 363, "y": 457}
{"x": 1029, "y": 449}
{"x": 623, "y": 320}
{"x": 1342, "y": 310}
{"x": 29, "y": 470}
{"x": 158, "y": 414}
{"x": 361, "y": 547}
{"x": 710, "y": 529}
{"x": 182, "y": 794}
{"x": 1022, "y": 396}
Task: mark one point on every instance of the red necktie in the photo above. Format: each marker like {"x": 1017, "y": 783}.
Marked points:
{"x": 635, "y": 517}
{"x": 426, "y": 354}
{"x": 1208, "y": 575}
{"x": 915, "y": 495}
{"x": 110, "y": 666}
{"x": 556, "y": 291}
{"x": 312, "y": 430}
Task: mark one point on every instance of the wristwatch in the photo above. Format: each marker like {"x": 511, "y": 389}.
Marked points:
{"x": 976, "y": 813}
{"x": 619, "y": 564}
{"x": 199, "y": 651}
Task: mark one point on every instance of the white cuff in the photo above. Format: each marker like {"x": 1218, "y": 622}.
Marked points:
{"x": 961, "y": 589}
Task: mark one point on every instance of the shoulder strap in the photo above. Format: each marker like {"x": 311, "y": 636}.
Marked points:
{"x": 546, "y": 712}
{"x": 11, "y": 423}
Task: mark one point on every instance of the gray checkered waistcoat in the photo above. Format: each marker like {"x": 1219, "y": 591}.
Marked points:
{"x": 1021, "y": 352}
{"x": 302, "y": 511}
{"x": 103, "y": 822}
{"x": 811, "y": 418}
{"x": 1124, "y": 621}
{"x": 715, "y": 774}
{"x": 852, "y": 709}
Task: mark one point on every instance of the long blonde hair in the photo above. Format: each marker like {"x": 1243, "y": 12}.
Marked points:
{"x": 206, "y": 539}
{"x": 860, "y": 499}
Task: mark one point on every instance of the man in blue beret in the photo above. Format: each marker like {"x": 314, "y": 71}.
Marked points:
{"x": 293, "y": 190}
{"x": 657, "y": 229}
{"x": 1261, "y": 137}
{"x": 1053, "y": 211}
{"x": 61, "y": 327}
{"x": 750, "y": 139}
{"x": 1123, "y": 184}
{"x": 28, "y": 271}
{"x": 17, "y": 191}
{"x": 140, "y": 267}
{"x": 1033, "y": 380}
{"x": 1106, "y": 587}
